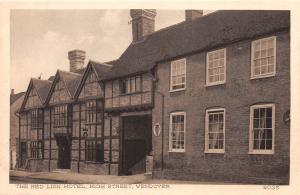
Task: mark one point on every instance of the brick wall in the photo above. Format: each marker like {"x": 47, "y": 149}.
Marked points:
{"x": 236, "y": 96}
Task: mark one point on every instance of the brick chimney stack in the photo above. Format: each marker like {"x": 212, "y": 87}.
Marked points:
{"x": 76, "y": 58}
{"x": 143, "y": 23}
{"x": 192, "y": 14}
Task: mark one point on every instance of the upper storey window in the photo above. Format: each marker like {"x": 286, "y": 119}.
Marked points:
{"x": 60, "y": 115}
{"x": 178, "y": 75}
{"x": 216, "y": 67}
{"x": 263, "y": 61}
{"x": 36, "y": 118}
{"x": 131, "y": 85}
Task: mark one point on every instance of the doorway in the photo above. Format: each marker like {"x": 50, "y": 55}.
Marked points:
{"x": 64, "y": 154}
{"x": 23, "y": 152}
{"x": 136, "y": 143}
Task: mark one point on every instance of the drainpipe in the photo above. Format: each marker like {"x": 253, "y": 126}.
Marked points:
{"x": 19, "y": 155}
{"x": 79, "y": 138}
{"x": 155, "y": 79}
{"x": 162, "y": 127}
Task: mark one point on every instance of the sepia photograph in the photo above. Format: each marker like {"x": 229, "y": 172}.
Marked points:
{"x": 149, "y": 98}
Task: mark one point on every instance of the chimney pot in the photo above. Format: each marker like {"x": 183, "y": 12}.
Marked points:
{"x": 143, "y": 23}
{"x": 12, "y": 91}
{"x": 76, "y": 58}
{"x": 192, "y": 14}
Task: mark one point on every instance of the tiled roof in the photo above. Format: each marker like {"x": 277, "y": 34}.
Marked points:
{"x": 100, "y": 68}
{"x": 15, "y": 97}
{"x": 80, "y": 71}
{"x": 42, "y": 87}
{"x": 210, "y": 31}
{"x": 71, "y": 80}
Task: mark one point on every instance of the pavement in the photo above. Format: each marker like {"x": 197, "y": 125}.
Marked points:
{"x": 18, "y": 176}
{"x": 76, "y": 178}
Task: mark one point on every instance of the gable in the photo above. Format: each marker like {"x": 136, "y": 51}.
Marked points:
{"x": 33, "y": 99}
{"x": 91, "y": 87}
{"x": 60, "y": 93}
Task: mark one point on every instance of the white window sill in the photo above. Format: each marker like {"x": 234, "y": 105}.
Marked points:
{"x": 261, "y": 152}
{"x": 177, "y": 151}
{"x": 214, "y": 151}
{"x": 213, "y": 84}
{"x": 263, "y": 76}
{"x": 175, "y": 90}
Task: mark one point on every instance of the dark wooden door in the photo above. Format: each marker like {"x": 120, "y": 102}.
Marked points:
{"x": 136, "y": 143}
{"x": 23, "y": 152}
{"x": 64, "y": 155}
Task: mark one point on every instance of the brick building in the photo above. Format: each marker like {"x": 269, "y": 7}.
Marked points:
{"x": 206, "y": 99}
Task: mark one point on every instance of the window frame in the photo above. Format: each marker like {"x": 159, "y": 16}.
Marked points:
{"x": 36, "y": 149}
{"x": 92, "y": 149}
{"x": 207, "y": 68}
{"x": 91, "y": 110}
{"x": 36, "y": 118}
{"x": 126, "y": 86}
{"x": 57, "y": 115}
{"x": 208, "y": 111}
{"x": 178, "y": 113}
{"x": 252, "y": 76}
{"x": 251, "y": 139}
{"x": 171, "y": 76}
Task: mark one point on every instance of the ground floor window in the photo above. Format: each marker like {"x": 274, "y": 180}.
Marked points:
{"x": 36, "y": 149}
{"x": 177, "y": 132}
{"x": 215, "y": 130}
{"x": 262, "y": 129}
{"x": 94, "y": 150}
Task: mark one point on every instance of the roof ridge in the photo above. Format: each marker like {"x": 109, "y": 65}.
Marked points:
{"x": 68, "y": 72}
{"x": 42, "y": 80}
{"x": 102, "y": 63}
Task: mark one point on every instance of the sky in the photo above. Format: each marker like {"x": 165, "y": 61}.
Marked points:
{"x": 41, "y": 39}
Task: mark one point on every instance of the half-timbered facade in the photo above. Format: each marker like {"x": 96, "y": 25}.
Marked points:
{"x": 32, "y": 126}
{"x": 89, "y": 155}
{"x": 128, "y": 105}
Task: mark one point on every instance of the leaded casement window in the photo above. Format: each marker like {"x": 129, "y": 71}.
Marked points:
{"x": 263, "y": 61}
{"x": 177, "y": 132}
{"x": 262, "y": 129}
{"x": 94, "y": 150}
{"x": 36, "y": 149}
{"x": 178, "y": 75}
{"x": 215, "y": 131}
{"x": 91, "y": 112}
{"x": 60, "y": 115}
{"x": 216, "y": 67}
{"x": 131, "y": 85}
{"x": 36, "y": 118}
